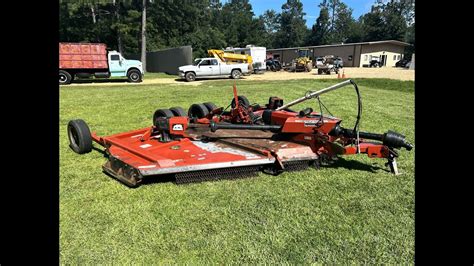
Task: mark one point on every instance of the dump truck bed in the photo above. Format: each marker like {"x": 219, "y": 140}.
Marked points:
{"x": 82, "y": 56}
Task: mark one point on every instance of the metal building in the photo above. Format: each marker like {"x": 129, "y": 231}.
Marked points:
{"x": 352, "y": 54}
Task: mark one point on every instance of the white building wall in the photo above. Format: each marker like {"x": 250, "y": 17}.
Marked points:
{"x": 392, "y": 58}
{"x": 393, "y": 53}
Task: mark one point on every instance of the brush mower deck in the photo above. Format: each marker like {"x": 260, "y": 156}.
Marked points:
{"x": 209, "y": 143}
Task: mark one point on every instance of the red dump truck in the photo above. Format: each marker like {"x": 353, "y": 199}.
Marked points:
{"x": 86, "y": 60}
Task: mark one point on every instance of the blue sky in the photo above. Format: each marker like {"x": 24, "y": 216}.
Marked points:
{"x": 310, "y": 7}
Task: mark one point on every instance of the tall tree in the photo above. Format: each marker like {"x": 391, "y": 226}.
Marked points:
{"x": 343, "y": 24}
{"x": 293, "y": 29}
{"x": 270, "y": 20}
{"x": 216, "y": 20}
{"x": 356, "y": 33}
{"x": 373, "y": 25}
{"x": 386, "y": 21}
{"x": 320, "y": 31}
{"x": 332, "y": 4}
{"x": 395, "y": 22}
{"x": 143, "y": 35}
{"x": 237, "y": 18}
{"x": 335, "y": 24}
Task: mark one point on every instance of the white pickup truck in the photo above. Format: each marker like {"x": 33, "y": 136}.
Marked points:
{"x": 211, "y": 67}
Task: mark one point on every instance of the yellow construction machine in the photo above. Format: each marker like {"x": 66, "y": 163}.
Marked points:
{"x": 303, "y": 62}
{"x": 231, "y": 57}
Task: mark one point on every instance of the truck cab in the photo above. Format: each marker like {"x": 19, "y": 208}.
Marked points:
{"x": 119, "y": 66}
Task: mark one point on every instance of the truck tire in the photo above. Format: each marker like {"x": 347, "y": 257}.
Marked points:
{"x": 242, "y": 101}
{"x": 197, "y": 110}
{"x": 236, "y": 74}
{"x": 64, "y": 77}
{"x": 210, "y": 106}
{"x": 320, "y": 71}
{"x": 178, "y": 111}
{"x": 161, "y": 113}
{"x": 309, "y": 67}
{"x": 190, "y": 76}
{"x": 134, "y": 76}
{"x": 79, "y": 134}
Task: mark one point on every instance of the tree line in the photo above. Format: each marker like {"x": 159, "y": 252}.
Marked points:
{"x": 210, "y": 24}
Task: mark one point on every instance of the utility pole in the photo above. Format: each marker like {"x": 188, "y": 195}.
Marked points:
{"x": 143, "y": 55}
{"x": 119, "y": 35}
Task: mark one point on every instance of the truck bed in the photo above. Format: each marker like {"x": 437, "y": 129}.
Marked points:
{"x": 82, "y": 56}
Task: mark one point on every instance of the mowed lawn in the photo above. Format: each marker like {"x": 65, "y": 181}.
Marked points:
{"x": 354, "y": 211}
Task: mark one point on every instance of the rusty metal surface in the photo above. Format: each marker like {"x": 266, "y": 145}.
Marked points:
{"x": 123, "y": 172}
{"x": 196, "y": 131}
{"x": 247, "y": 134}
{"x": 285, "y": 150}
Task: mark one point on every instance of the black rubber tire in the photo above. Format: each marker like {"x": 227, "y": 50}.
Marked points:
{"x": 197, "y": 110}
{"x": 134, "y": 76}
{"x": 210, "y": 106}
{"x": 242, "y": 100}
{"x": 190, "y": 76}
{"x": 178, "y": 111}
{"x": 161, "y": 113}
{"x": 320, "y": 71}
{"x": 236, "y": 74}
{"x": 64, "y": 77}
{"x": 79, "y": 134}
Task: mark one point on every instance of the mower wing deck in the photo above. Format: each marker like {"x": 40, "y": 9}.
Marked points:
{"x": 131, "y": 159}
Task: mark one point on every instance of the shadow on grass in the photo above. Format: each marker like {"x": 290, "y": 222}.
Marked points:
{"x": 354, "y": 165}
{"x": 207, "y": 79}
{"x": 85, "y": 81}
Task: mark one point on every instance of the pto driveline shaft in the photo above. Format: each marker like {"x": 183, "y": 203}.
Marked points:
{"x": 215, "y": 126}
{"x": 315, "y": 94}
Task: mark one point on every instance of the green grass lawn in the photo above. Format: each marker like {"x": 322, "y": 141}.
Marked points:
{"x": 351, "y": 212}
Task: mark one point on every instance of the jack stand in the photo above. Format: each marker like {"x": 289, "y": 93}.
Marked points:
{"x": 392, "y": 163}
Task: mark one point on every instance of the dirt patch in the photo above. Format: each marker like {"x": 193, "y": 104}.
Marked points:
{"x": 354, "y": 72}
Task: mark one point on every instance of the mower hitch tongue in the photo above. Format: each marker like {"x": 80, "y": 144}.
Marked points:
{"x": 210, "y": 142}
